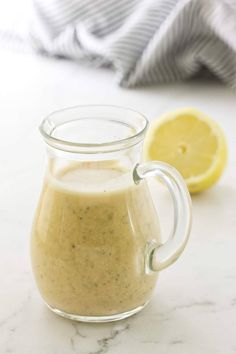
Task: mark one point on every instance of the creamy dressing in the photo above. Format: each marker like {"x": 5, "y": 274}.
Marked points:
{"x": 89, "y": 238}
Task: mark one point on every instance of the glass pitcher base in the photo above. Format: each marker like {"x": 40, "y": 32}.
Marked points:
{"x": 97, "y": 319}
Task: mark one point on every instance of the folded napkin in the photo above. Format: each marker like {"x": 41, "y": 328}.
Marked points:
{"x": 146, "y": 41}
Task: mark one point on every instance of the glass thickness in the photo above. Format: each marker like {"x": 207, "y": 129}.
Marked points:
{"x": 96, "y": 246}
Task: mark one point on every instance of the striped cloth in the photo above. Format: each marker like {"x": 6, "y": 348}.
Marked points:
{"x": 145, "y": 41}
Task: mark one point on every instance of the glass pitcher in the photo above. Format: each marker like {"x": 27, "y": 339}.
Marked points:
{"x": 96, "y": 247}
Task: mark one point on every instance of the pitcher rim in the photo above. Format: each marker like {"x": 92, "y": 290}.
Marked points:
{"x": 77, "y": 147}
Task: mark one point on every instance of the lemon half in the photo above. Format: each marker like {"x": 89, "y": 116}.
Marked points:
{"x": 190, "y": 141}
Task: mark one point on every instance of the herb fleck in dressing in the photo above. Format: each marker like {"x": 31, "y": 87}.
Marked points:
{"x": 88, "y": 243}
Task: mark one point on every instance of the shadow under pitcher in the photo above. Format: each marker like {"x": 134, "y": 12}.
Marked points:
{"x": 96, "y": 248}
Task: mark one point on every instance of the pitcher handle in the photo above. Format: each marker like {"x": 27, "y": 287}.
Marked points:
{"x": 161, "y": 256}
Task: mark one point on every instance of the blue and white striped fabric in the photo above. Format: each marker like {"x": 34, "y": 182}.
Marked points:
{"x": 146, "y": 41}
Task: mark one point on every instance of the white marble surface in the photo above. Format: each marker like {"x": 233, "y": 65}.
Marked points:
{"x": 194, "y": 308}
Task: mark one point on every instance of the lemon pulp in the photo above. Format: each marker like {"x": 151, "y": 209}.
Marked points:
{"x": 191, "y": 142}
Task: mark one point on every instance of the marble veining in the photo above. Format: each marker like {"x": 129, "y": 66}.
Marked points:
{"x": 15, "y": 313}
{"x": 105, "y": 343}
